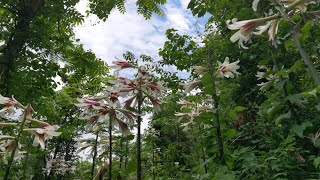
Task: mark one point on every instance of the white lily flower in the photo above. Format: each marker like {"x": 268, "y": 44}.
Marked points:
{"x": 248, "y": 27}
{"x": 120, "y": 64}
{"x": 227, "y": 69}
{"x": 198, "y": 69}
{"x": 42, "y": 134}
{"x": 9, "y": 105}
{"x": 7, "y": 146}
{"x": 191, "y": 85}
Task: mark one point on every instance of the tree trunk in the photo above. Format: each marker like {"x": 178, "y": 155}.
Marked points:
{"x": 27, "y": 10}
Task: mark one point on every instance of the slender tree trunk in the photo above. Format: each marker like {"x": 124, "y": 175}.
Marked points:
{"x": 305, "y": 57}
{"x": 95, "y": 152}
{"x": 16, "y": 143}
{"x": 215, "y": 110}
{"x": 27, "y": 10}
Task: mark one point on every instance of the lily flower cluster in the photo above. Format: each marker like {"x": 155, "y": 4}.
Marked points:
{"x": 88, "y": 144}
{"x": 141, "y": 88}
{"x": 191, "y": 110}
{"x": 101, "y": 109}
{"x": 108, "y": 107}
{"x": 270, "y": 23}
{"x": 6, "y": 148}
{"x": 9, "y": 143}
{"x": 225, "y": 69}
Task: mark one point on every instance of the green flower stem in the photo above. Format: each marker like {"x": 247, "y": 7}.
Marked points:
{"x": 153, "y": 163}
{"x": 139, "y": 98}
{"x": 305, "y": 57}
{"x": 95, "y": 150}
{"x": 110, "y": 145}
{"x": 16, "y": 144}
{"x": 121, "y": 159}
{"x": 203, "y": 154}
{"x": 25, "y": 163}
{"x": 215, "y": 110}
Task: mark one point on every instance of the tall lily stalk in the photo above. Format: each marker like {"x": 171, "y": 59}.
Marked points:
{"x": 110, "y": 146}
{"x": 95, "y": 152}
{"x": 139, "y": 119}
{"x": 215, "y": 108}
{"x": 16, "y": 141}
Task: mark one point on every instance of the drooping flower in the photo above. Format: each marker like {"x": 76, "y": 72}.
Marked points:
{"x": 9, "y": 105}
{"x": 191, "y": 85}
{"x": 191, "y": 114}
{"x": 181, "y": 115}
{"x": 155, "y": 87}
{"x": 184, "y": 103}
{"x": 155, "y": 104}
{"x": 112, "y": 96}
{"x": 44, "y": 133}
{"x": 300, "y": 5}
{"x": 7, "y": 144}
{"x": 120, "y": 64}
{"x": 89, "y": 102}
{"x": 109, "y": 111}
{"x": 84, "y": 143}
{"x": 198, "y": 69}
{"x": 248, "y": 27}
{"x": 143, "y": 72}
{"x": 228, "y": 69}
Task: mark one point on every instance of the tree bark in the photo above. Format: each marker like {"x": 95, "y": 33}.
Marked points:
{"x": 26, "y": 11}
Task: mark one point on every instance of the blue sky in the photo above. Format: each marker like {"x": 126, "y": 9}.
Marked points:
{"x": 131, "y": 32}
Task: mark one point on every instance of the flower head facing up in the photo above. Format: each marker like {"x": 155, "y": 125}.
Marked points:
{"x": 228, "y": 69}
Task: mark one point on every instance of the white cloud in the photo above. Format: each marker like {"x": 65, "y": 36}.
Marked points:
{"x": 131, "y": 32}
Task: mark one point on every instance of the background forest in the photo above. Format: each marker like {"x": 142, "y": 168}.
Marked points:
{"x": 250, "y": 108}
